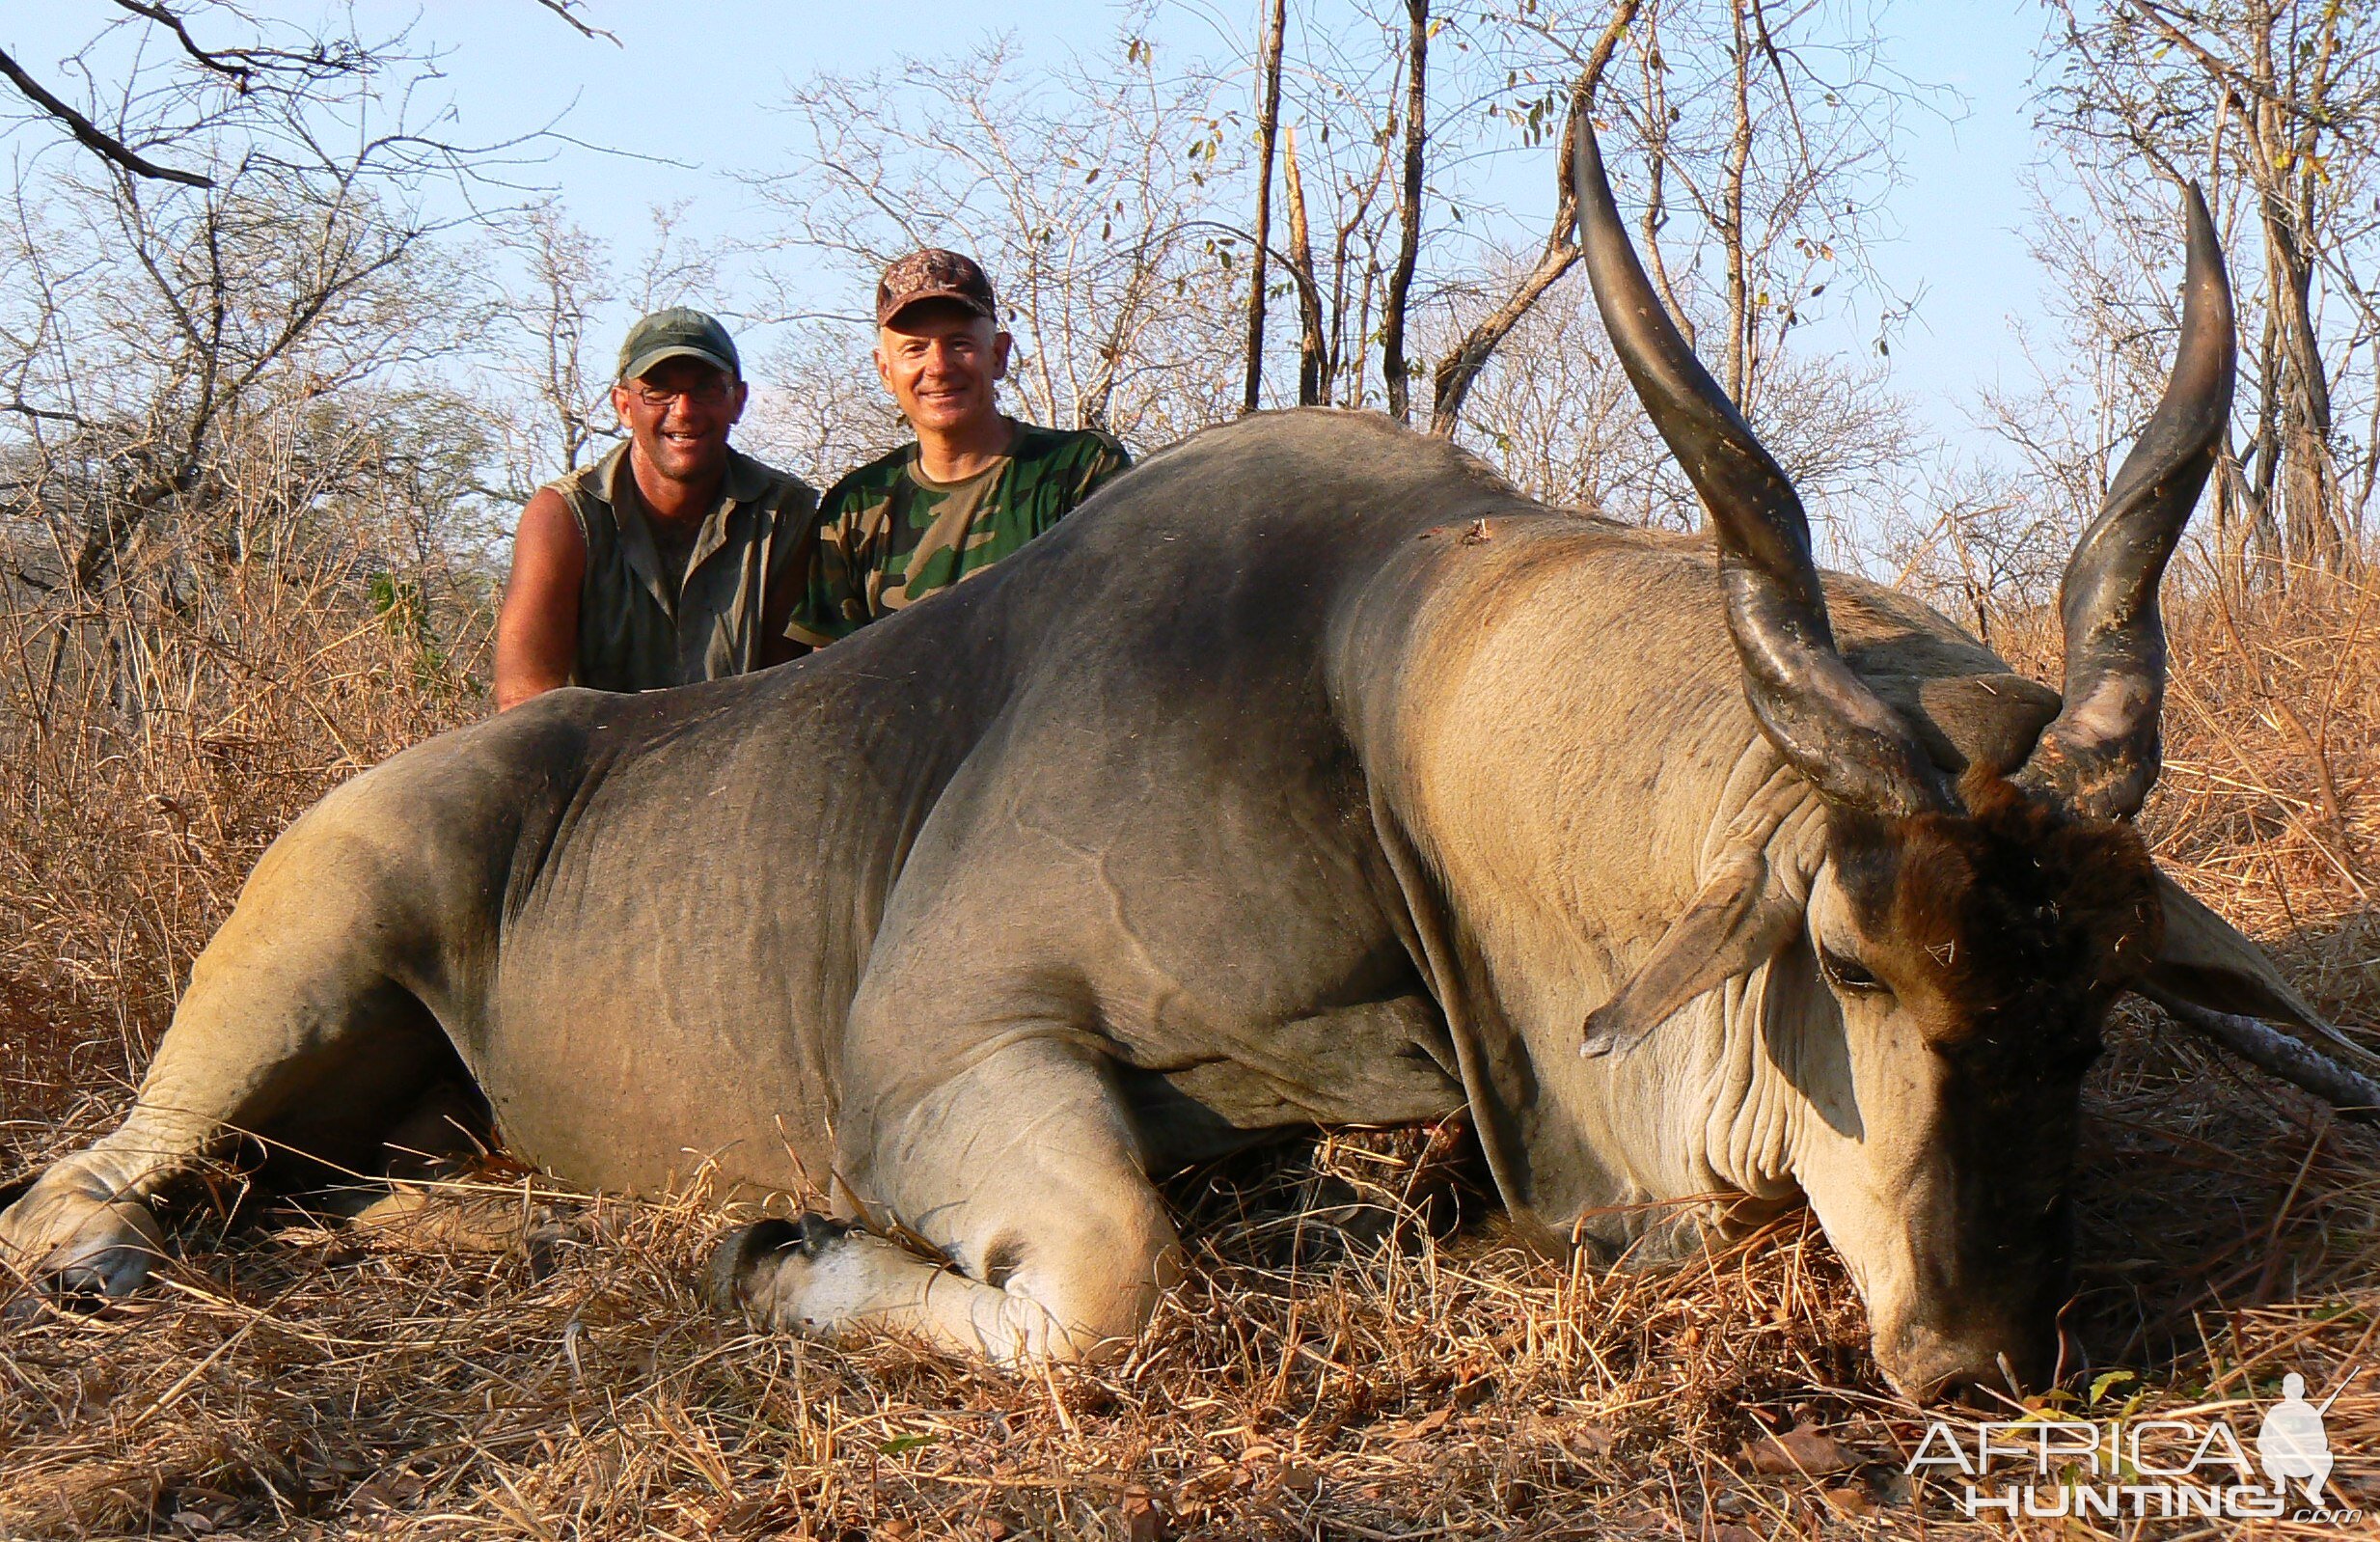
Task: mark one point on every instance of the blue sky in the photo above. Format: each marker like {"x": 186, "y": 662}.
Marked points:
{"x": 692, "y": 86}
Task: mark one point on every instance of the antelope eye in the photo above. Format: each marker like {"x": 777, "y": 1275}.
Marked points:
{"x": 1847, "y": 974}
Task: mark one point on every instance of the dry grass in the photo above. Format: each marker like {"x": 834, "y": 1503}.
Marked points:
{"x": 152, "y": 752}
{"x": 301, "y": 1381}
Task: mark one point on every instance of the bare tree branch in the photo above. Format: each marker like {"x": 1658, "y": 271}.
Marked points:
{"x": 1459, "y": 368}
{"x": 238, "y": 75}
{"x": 568, "y": 11}
{"x": 92, "y": 137}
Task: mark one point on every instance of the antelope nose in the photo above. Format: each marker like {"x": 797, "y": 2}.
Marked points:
{"x": 1928, "y": 1364}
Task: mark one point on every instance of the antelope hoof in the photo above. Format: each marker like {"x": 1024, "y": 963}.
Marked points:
{"x": 71, "y": 1234}
{"x": 765, "y": 1268}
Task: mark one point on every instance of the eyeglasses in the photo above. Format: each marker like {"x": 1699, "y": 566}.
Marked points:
{"x": 711, "y": 393}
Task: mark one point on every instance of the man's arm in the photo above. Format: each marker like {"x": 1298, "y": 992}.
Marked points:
{"x": 817, "y": 615}
{"x": 791, "y": 577}
{"x": 777, "y": 643}
{"x": 1111, "y": 460}
{"x": 538, "y": 631}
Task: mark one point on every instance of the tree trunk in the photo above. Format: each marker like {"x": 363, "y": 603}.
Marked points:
{"x": 1409, "y": 213}
{"x": 1268, "y": 123}
{"x": 1732, "y": 226}
{"x": 2308, "y": 477}
{"x": 1313, "y": 350}
{"x": 2306, "y": 480}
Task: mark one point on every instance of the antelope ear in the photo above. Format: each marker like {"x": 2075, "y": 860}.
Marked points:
{"x": 1740, "y": 918}
{"x": 2206, "y": 962}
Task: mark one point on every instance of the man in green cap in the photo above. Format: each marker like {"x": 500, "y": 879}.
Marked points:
{"x": 672, "y": 559}
{"x": 974, "y": 485}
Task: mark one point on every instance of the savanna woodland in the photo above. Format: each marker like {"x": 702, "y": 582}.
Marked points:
{"x": 283, "y": 349}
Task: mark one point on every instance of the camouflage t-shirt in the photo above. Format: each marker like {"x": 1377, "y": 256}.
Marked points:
{"x": 888, "y": 538}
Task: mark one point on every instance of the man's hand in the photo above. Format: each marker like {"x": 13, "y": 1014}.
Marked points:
{"x": 538, "y": 631}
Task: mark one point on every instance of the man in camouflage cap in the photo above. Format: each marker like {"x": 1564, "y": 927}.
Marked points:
{"x": 974, "y": 485}
{"x": 672, "y": 559}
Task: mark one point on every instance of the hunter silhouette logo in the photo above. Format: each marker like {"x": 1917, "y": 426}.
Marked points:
{"x": 2141, "y": 1468}
{"x": 2293, "y": 1442}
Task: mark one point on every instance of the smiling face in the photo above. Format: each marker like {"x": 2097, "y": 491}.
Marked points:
{"x": 940, "y": 361}
{"x": 679, "y": 413}
{"x": 1971, "y": 961}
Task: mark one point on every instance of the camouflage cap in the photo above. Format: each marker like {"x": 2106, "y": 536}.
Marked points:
{"x": 678, "y": 333}
{"x": 934, "y": 274}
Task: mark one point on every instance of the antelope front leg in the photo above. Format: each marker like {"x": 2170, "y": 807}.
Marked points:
{"x": 289, "y": 1015}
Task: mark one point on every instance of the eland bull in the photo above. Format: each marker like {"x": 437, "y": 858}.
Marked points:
{"x": 1310, "y": 776}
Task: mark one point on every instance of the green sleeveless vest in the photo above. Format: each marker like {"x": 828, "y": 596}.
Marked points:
{"x": 638, "y": 629}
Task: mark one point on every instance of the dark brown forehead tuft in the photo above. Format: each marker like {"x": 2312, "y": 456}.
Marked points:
{"x": 2013, "y": 908}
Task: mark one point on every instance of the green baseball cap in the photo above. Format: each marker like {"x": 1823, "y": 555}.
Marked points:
{"x": 678, "y": 333}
